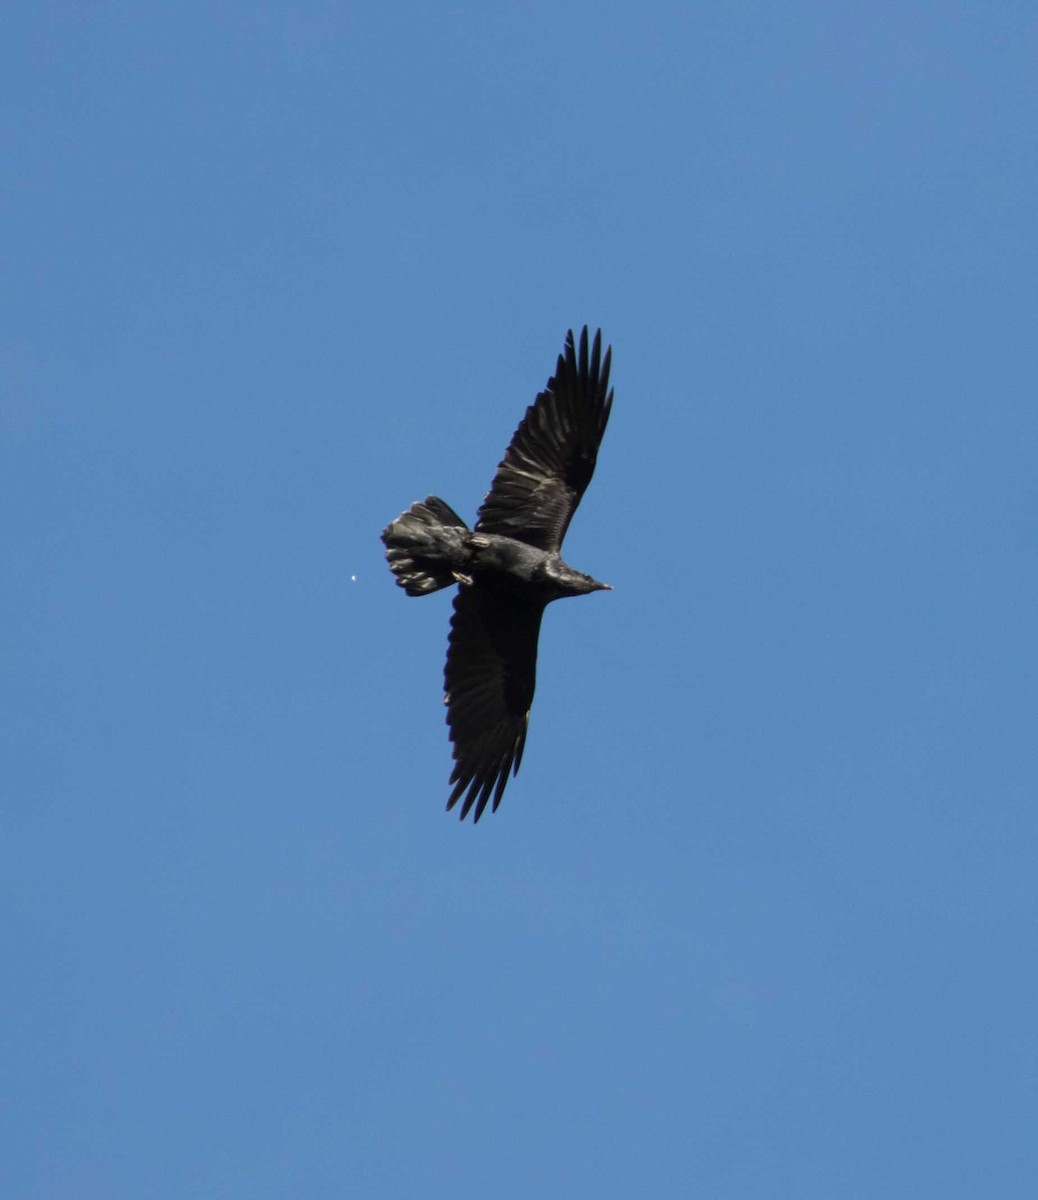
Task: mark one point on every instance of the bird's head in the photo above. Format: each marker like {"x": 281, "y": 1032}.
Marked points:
{"x": 564, "y": 581}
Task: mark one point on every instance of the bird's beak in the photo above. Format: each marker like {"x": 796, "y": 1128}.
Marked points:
{"x": 605, "y": 587}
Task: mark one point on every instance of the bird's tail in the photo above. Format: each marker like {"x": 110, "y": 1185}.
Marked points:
{"x": 426, "y": 546}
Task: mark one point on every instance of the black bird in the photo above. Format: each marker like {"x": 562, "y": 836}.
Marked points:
{"x": 509, "y": 569}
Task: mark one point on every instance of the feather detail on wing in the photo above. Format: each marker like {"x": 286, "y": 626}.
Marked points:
{"x": 489, "y": 682}
{"x": 551, "y": 457}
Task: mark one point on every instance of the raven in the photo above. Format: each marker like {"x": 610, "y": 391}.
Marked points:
{"x": 509, "y": 569}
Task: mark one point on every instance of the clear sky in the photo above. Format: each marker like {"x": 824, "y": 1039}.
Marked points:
{"x": 759, "y": 917}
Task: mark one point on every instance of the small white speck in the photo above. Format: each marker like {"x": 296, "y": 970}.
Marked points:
{"x": 353, "y": 579}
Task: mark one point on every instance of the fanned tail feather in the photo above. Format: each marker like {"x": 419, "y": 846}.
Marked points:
{"x": 425, "y": 546}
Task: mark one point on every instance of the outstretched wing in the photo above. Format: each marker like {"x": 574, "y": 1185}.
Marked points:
{"x": 489, "y": 680}
{"x": 551, "y": 458}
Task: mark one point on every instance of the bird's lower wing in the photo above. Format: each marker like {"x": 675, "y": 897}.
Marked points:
{"x": 489, "y": 681}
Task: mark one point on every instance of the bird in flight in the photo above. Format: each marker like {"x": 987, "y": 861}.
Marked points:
{"x": 508, "y": 569}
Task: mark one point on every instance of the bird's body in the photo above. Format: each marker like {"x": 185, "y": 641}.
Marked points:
{"x": 509, "y": 569}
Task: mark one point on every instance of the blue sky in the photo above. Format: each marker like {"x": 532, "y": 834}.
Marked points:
{"x": 758, "y": 917}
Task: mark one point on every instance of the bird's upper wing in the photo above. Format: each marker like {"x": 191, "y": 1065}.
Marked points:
{"x": 489, "y": 680}
{"x": 551, "y": 458}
